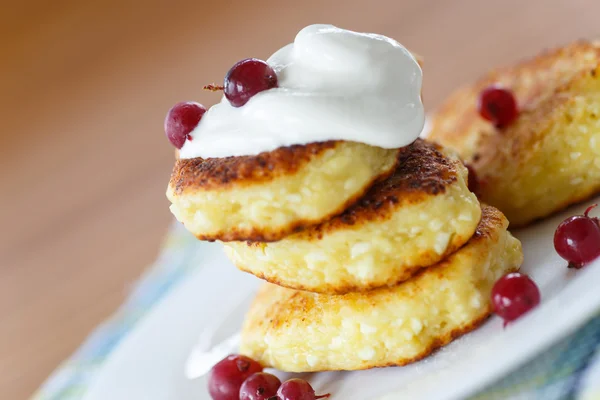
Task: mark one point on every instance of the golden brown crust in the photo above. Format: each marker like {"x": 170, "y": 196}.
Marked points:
{"x": 435, "y": 345}
{"x": 344, "y": 287}
{"x": 491, "y": 218}
{"x": 439, "y": 342}
{"x": 423, "y": 170}
{"x": 301, "y": 304}
{"x": 274, "y": 194}
{"x": 341, "y": 287}
{"x": 413, "y": 219}
{"x": 221, "y": 173}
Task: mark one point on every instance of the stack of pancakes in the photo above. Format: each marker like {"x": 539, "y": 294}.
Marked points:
{"x": 375, "y": 257}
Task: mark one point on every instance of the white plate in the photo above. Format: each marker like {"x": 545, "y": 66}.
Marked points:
{"x": 149, "y": 362}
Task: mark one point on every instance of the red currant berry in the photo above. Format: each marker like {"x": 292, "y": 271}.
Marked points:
{"x": 181, "y": 120}
{"x": 228, "y": 375}
{"x": 260, "y": 386}
{"x": 514, "y": 295}
{"x": 247, "y": 78}
{"x": 297, "y": 389}
{"x": 498, "y": 106}
{"x": 577, "y": 239}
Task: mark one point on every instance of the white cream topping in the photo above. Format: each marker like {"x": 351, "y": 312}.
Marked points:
{"x": 334, "y": 84}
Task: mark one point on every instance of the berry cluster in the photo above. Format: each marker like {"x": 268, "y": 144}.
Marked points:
{"x": 237, "y": 377}
{"x": 577, "y": 240}
{"x": 243, "y": 81}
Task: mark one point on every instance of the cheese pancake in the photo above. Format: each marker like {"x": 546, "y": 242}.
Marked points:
{"x": 549, "y": 157}
{"x": 270, "y": 195}
{"x": 416, "y": 217}
{"x": 300, "y": 331}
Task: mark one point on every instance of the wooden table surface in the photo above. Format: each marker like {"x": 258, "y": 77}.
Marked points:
{"x": 83, "y": 158}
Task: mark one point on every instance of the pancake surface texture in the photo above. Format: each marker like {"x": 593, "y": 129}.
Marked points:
{"x": 416, "y": 217}
{"x": 301, "y": 331}
{"x": 549, "y": 157}
{"x": 267, "y": 196}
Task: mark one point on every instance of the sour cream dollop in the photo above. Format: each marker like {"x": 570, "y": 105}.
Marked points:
{"x": 334, "y": 84}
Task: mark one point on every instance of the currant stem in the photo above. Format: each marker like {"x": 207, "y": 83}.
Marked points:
{"x": 323, "y": 396}
{"x": 575, "y": 265}
{"x": 590, "y": 208}
{"x": 214, "y": 88}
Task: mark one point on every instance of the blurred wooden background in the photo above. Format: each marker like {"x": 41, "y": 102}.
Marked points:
{"x": 83, "y": 160}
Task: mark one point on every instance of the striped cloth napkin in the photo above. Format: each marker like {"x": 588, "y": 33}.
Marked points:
{"x": 569, "y": 370}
